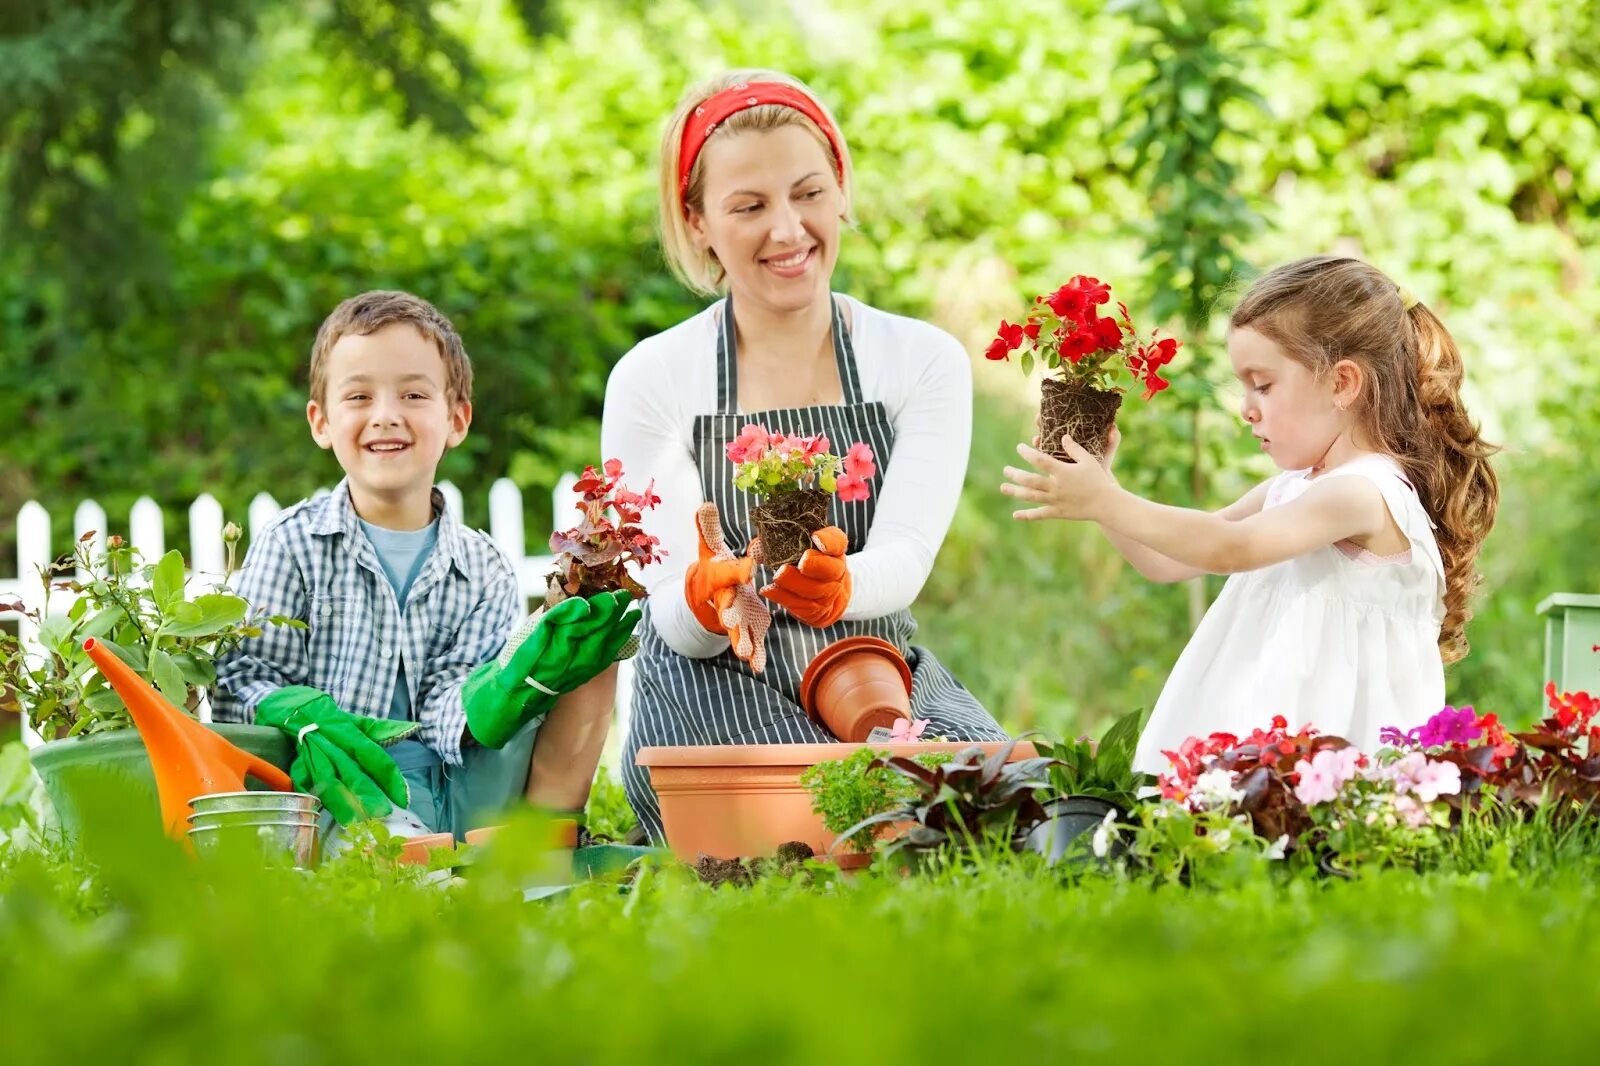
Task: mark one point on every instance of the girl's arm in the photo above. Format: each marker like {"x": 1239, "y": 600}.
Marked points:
{"x": 1164, "y": 569}
{"x": 1332, "y": 510}
{"x": 1150, "y": 563}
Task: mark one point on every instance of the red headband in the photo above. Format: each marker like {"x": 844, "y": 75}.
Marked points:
{"x": 705, "y": 119}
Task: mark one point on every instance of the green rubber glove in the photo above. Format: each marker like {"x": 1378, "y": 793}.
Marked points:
{"x": 553, "y": 652}
{"x": 339, "y": 757}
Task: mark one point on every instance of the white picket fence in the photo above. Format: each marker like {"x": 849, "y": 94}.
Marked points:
{"x": 207, "y": 555}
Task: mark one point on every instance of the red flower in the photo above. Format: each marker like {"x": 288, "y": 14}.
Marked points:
{"x": 1031, "y": 331}
{"x": 1093, "y": 290}
{"x": 1161, "y": 352}
{"x": 1077, "y": 344}
{"x": 1009, "y": 340}
{"x": 1068, "y": 302}
{"x": 1107, "y": 334}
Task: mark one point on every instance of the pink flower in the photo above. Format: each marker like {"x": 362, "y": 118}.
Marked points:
{"x": 858, "y": 461}
{"x": 1424, "y": 778}
{"x": 1326, "y": 773}
{"x": 852, "y": 489}
{"x": 749, "y": 444}
{"x": 1411, "y": 811}
{"x": 814, "y": 446}
{"x": 1437, "y": 779}
{"x": 908, "y": 729}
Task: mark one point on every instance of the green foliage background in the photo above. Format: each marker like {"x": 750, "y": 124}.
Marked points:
{"x": 499, "y": 158}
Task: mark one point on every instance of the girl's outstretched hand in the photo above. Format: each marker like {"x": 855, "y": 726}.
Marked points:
{"x": 1075, "y": 490}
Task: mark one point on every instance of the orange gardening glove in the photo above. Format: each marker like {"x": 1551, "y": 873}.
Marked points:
{"x": 815, "y": 590}
{"x": 720, "y": 592}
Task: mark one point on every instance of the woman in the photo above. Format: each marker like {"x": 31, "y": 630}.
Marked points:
{"x": 755, "y": 184}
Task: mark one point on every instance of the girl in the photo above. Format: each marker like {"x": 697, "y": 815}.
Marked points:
{"x": 1352, "y": 570}
{"x": 755, "y": 184}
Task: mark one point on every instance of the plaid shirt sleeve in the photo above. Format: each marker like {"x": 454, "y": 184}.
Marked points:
{"x": 478, "y": 639}
{"x": 271, "y": 583}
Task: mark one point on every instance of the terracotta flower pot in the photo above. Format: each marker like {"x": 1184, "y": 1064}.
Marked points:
{"x": 855, "y": 685}
{"x": 743, "y": 800}
{"x": 418, "y": 849}
{"x": 563, "y": 833}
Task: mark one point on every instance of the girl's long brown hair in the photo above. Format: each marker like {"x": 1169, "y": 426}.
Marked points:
{"x": 1324, "y": 309}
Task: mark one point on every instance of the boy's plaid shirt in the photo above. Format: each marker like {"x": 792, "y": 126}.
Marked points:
{"x": 315, "y": 563}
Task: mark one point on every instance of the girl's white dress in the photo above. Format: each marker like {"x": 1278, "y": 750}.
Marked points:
{"x": 1338, "y": 638}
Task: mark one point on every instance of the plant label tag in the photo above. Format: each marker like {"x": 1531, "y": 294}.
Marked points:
{"x": 880, "y": 735}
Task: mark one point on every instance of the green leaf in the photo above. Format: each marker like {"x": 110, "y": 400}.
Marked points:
{"x": 166, "y": 580}
{"x": 208, "y": 614}
{"x": 168, "y": 678}
{"x": 101, "y": 624}
{"x": 131, "y": 653}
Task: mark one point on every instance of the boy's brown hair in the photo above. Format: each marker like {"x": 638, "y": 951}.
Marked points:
{"x": 370, "y": 312}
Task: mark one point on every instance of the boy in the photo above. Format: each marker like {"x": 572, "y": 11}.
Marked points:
{"x": 392, "y": 688}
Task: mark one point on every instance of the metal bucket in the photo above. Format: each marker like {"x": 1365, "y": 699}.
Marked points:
{"x": 272, "y": 838}
{"x": 213, "y": 819}
{"x": 256, "y": 801}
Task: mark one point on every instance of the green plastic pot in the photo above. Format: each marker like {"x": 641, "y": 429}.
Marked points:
{"x": 68, "y": 766}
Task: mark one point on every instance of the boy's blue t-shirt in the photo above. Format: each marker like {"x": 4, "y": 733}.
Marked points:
{"x": 401, "y": 553}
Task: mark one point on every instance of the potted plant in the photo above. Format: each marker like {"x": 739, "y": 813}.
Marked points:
{"x": 142, "y": 614}
{"x": 593, "y": 556}
{"x": 744, "y": 800}
{"x": 846, "y": 792}
{"x": 985, "y": 795}
{"x": 794, "y": 476}
{"x": 1090, "y": 781}
{"x": 1089, "y": 355}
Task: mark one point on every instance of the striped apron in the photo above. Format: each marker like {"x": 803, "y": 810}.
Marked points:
{"x": 682, "y": 701}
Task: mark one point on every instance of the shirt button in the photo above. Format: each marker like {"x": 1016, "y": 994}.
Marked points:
{"x": 327, "y": 609}
{"x": 385, "y": 651}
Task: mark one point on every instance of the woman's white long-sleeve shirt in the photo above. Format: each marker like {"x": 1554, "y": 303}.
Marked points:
{"x": 917, "y": 371}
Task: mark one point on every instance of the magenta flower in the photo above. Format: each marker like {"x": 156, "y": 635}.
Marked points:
{"x": 1450, "y": 726}
{"x": 1395, "y": 737}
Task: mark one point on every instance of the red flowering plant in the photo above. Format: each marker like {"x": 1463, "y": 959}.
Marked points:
{"x": 1064, "y": 331}
{"x": 594, "y": 555}
{"x": 1256, "y": 776}
{"x": 795, "y": 475}
{"x": 1091, "y": 355}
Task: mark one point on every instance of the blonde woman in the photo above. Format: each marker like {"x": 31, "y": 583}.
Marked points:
{"x": 755, "y": 197}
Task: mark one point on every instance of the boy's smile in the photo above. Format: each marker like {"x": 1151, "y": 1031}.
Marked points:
{"x": 388, "y": 419}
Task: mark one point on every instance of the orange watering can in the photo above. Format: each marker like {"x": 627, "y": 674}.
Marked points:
{"x": 189, "y": 760}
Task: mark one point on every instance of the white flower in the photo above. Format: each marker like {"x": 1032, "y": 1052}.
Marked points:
{"x": 1214, "y": 789}
{"x": 1104, "y": 834}
{"x": 1276, "y": 849}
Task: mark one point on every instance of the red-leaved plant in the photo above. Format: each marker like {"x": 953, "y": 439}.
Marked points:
{"x": 593, "y": 556}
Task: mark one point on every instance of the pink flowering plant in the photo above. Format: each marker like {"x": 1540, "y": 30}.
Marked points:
{"x": 772, "y": 464}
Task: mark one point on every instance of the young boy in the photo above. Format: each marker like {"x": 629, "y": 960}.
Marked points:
{"x": 399, "y": 687}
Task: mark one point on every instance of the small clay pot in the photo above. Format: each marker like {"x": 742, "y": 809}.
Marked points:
{"x": 855, "y": 685}
{"x": 417, "y": 850}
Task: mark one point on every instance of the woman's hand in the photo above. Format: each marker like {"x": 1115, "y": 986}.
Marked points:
{"x": 816, "y": 589}
{"x": 1078, "y": 490}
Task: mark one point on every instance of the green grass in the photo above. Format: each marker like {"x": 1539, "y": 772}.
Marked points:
{"x": 156, "y": 959}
